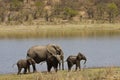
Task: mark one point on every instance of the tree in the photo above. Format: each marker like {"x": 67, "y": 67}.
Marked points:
{"x": 112, "y": 11}
{"x": 38, "y": 10}
{"x": 69, "y": 13}
{"x": 15, "y": 5}
{"x": 90, "y": 12}
{"x": 101, "y": 7}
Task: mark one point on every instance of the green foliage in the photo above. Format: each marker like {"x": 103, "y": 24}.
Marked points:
{"x": 38, "y": 4}
{"x": 112, "y": 11}
{"x": 101, "y": 7}
{"x": 70, "y": 12}
{"x": 112, "y": 7}
{"x": 15, "y": 5}
{"x": 100, "y": 10}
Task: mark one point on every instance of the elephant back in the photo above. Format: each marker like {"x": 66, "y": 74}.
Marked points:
{"x": 38, "y": 53}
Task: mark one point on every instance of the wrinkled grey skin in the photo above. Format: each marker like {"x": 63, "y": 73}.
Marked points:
{"x": 42, "y": 53}
{"x": 25, "y": 63}
{"x": 75, "y": 60}
{"x": 53, "y": 61}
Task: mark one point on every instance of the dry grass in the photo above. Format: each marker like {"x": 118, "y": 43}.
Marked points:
{"x": 110, "y": 73}
{"x": 65, "y": 30}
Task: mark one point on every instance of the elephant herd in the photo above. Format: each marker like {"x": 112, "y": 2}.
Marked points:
{"x": 52, "y": 54}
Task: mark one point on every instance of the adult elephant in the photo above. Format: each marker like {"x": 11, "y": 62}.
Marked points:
{"x": 41, "y": 53}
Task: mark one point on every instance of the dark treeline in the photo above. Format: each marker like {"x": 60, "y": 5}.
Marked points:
{"x": 19, "y": 11}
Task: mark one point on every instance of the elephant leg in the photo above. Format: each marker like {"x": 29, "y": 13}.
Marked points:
{"x": 25, "y": 70}
{"x": 76, "y": 67}
{"x": 19, "y": 70}
{"x": 69, "y": 66}
{"x": 34, "y": 68}
{"x": 59, "y": 66}
{"x": 49, "y": 66}
{"x": 56, "y": 67}
{"x": 63, "y": 63}
{"x": 79, "y": 67}
{"x": 28, "y": 69}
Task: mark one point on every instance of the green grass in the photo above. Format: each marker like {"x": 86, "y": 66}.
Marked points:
{"x": 110, "y": 73}
{"x": 65, "y": 30}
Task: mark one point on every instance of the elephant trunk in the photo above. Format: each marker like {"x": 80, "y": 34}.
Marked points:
{"x": 62, "y": 62}
{"x": 62, "y": 54}
{"x": 85, "y": 60}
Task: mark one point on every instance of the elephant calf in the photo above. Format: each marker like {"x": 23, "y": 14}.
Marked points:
{"x": 25, "y": 63}
{"x": 71, "y": 60}
{"x": 53, "y": 61}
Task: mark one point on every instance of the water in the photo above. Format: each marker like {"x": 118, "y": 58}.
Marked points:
{"x": 100, "y": 51}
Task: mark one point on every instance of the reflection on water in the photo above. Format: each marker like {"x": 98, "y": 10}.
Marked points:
{"x": 81, "y": 33}
{"x": 59, "y": 33}
{"x": 100, "y": 51}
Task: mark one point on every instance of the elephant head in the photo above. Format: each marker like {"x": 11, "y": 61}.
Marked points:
{"x": 57, "y": 58}
{"x": 80, "y": 56}
{"x": 56, "y": 50}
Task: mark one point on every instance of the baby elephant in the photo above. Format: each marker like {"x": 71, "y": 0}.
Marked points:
{"x": 71, "y": 60}
{"x": 25, "y": 63}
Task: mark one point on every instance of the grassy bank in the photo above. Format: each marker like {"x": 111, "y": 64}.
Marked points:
{"x": 63, "y": 30}
{"x": 86, "y": 74}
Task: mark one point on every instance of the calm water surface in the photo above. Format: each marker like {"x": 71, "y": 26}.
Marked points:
{"x": 100, "y": 51}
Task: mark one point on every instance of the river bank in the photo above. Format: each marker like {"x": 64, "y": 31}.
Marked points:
{"x": 109, "y": 73}
{"x": 62, "y": 30}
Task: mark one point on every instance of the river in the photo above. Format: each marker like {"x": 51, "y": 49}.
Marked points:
{"x": 100, "y": 51}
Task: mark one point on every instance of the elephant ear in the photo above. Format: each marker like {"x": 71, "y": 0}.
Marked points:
{"x": 51, "y": 49}
{"x": 79, "y": 56}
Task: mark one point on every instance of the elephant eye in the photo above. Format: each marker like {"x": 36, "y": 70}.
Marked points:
{"x": 58, "y": 52}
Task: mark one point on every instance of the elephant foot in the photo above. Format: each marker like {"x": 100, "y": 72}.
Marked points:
{"x": 18, "y": 73}
{"x": 35, "y": 71}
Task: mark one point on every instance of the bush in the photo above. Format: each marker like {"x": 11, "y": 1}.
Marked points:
{"x": 69, "y": 12}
